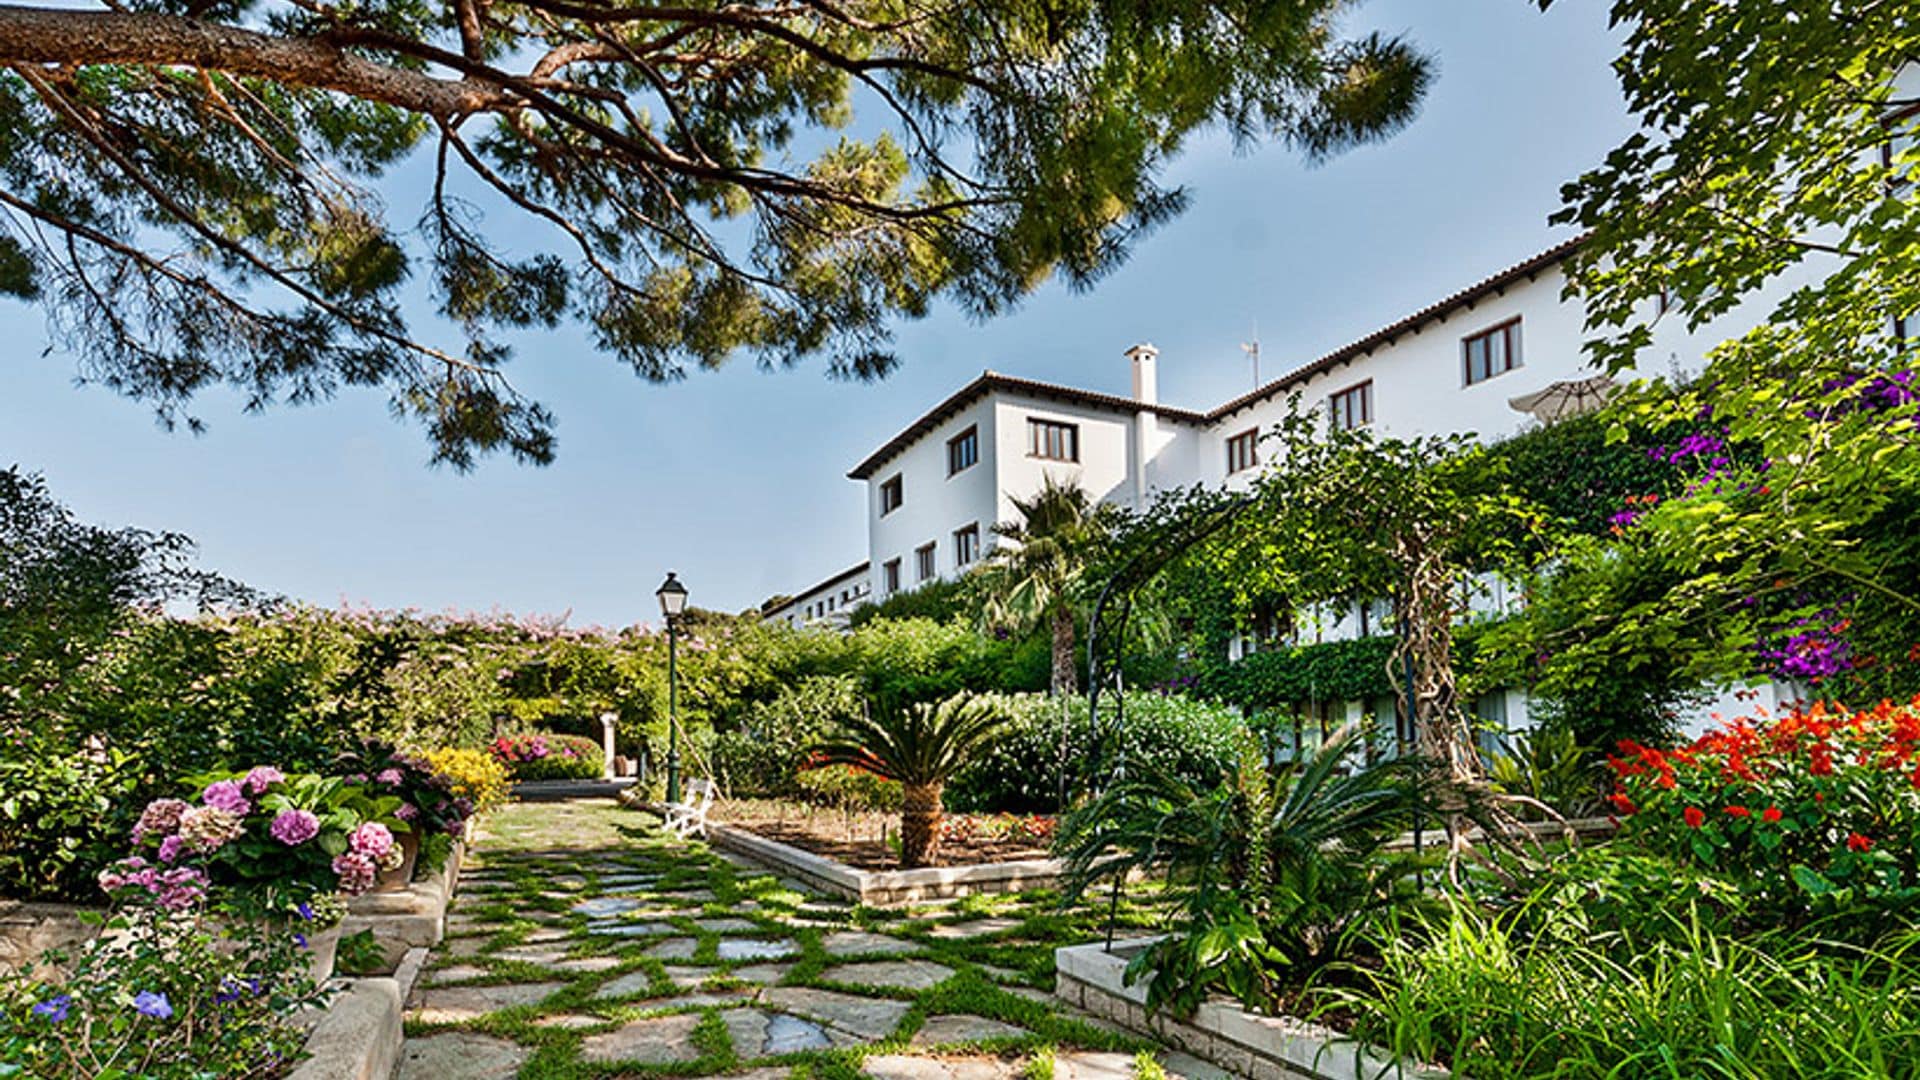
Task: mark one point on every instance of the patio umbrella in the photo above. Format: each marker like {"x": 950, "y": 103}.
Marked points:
{"x": 1568, "y": 397}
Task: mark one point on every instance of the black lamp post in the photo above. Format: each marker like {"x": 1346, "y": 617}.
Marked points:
{"x": 673, "y": 601}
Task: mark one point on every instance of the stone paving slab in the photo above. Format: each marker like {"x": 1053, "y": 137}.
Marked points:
{"x": 460, "y": 1054}
{"x": 963, "y": 1027}
{"x": 458, "y": 1004}
{"x": 674, "y": 949}
{"x": 906, "y": 974}
{"x": 751, "y": 949}
{"x": 904, "y": 1067}
{"x": 863, "y": 943}
{"x": 761, "y": 973}
{"x": 657, "y": 1041}
{"x": 758, "y": 1034}
{"x": 870, "y": 1018}
{"x": 973, "y": 928}
{"x": 1093, "y": 1065}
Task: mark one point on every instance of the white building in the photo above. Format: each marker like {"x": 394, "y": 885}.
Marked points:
{"x": 1462, "y": 365}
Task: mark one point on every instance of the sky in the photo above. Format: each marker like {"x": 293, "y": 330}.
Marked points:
{"x": 737, "y": 479}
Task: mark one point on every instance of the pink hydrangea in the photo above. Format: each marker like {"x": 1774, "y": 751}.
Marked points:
{"x": 170, "y": 849}
{"x": 175, "y": 889}
{"x": 406, "y": 812}
{"x": 227, "y": 795}
{"x": 371, "y": 839}
{"x": 293, "y": 827}
{"x": 160, "y": 818}
{"x": 262, "y": 777}
{"x": 390, "y": 777}
{"x": 209, "y": 828}
{"x": 356, "y": 872}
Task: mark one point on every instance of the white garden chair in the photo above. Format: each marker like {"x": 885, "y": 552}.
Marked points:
{"x": 689, "y": 817}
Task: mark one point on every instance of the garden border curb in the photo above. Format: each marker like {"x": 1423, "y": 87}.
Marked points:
{"x": 359, "y": 1035}
{"x": 1091, "y": 977}
{"x": 879, "y": 888}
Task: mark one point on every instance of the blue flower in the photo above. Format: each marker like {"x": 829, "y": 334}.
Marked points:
{"x": 300, "y": 940}
{"x": 54, "y": 1008}
{"x": 305, "y": 910}
{"x": 148, "y": 1003}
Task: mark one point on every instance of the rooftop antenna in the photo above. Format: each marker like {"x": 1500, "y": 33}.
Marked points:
{"x": 1252, "y": 349}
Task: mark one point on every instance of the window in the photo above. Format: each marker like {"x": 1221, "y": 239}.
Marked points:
{"x": 963, "y": 450}
{"x": 1353, "y": 407}
{"x": 1243, "y": 451}
{"x": 1906, "y": 329}
{"x": 892, "y": 573}
{"x": 891, "y": 496}
{"x": 923, "y": 562}
{"x": 966, "y": 545}
{"x": 1053, "y": 440}
{"x": 1490, "y": 723}
{"x": 1492, "y": 352}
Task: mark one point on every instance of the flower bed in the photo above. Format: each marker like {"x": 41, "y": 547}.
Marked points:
{"x": 546, "y": 756}
{"x": 869, "y": 840}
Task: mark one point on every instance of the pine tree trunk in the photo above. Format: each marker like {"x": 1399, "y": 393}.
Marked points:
{"x": 920, "y": 810}
{"x": 1066, "y": 678}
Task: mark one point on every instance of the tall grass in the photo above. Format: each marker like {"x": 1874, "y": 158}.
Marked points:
{"x": 1503, "y": 995}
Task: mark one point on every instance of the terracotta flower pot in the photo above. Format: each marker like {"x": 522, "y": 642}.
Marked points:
{"x": 400, "y": 877}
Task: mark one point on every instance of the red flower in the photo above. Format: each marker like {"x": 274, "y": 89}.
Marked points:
{"x": 1621, "y": 802}
{"x": 1739, "y": 811}
{"x": 1857, "y": 842}
{"x": 1695, "y": 817}
{"x": 1770, "y": 815}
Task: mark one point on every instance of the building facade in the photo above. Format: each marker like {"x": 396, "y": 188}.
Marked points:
{"x": 1487, "y": 361}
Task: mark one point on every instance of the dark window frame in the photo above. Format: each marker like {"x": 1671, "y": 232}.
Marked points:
{"x": 966, "y": 444}
{"x": 890, "y": 571}
{"x": 893, "y": 494}
{"x": 966, "y": 544}
{"x": 1041, "y": 447}
{"x": 1243, "y": 451}
{"x": 1339, "y": 406}
{"x": 926, "y": 562}
{"x": 1513, "y": 357}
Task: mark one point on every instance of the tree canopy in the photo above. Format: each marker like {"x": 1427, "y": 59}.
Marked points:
{"x": 189, "y": 186}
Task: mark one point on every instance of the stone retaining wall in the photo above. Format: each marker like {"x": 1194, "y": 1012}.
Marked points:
{"x": 28, "y": 929}
{"x": 1248, "y": 1044}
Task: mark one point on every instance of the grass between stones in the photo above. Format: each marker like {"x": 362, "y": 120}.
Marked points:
{"x": 674, "y": 930}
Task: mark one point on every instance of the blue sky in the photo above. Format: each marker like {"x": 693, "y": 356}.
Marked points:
{"x": 736, "y": 479}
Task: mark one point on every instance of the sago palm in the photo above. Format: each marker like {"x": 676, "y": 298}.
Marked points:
{"x": 921, "y": 746}
{"x": 1033, "y": 578}
{"x": 1277, "y": 864}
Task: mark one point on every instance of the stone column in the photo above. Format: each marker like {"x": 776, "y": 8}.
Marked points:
{"x": 606, "y": 743}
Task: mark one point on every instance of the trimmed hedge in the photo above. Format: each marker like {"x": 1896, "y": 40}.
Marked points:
{"x": 1020, "y": 773}
{"x": 548, "y": 756}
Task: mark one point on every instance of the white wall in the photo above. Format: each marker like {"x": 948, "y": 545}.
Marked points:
{"x": 933, "y": 504}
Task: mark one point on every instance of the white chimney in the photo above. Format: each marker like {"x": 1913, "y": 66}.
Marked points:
{"x": 1146, "y": 422}
{"x": 1146, "y": 381}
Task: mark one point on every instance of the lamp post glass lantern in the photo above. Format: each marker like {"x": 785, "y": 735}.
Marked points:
{"x": 673, "y": 600}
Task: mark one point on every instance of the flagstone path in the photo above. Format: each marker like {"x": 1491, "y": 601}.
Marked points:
{"x": 585, "y": 944}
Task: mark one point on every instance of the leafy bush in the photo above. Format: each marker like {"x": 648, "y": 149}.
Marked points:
{"x": 1354, "y": 670}
{"x": 166, "y": 993}
{"x": 1501, "y": 996}
{"x": 1278, "y": 867}
{"x": 1815, "y": 812}
{"x": 849, "y": 790}
{"x": 767, "y": 754}
{"x": 1550, "y": 766}
{"x": 546, "y": 756}
{"x": 476, "y": 775}
{"x": 1020, "y": 772}
{"x": 59, "y": 820}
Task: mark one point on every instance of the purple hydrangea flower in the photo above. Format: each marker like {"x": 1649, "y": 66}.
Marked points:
{"x": 170, "y": 849}
{"x": 390, "y": 777}
{"x": 226, "y": 795}
{"x": 160, "y": 818}
{"x": 406, "y": 812}
{"x": 294, "y": 827}
{"x": 148, "y": 1003}
{"x": 54, "y": 1009}
{"x": 304, "y": 910}
{"x": 356, "y": 872}
{"x": 262, "y": 777}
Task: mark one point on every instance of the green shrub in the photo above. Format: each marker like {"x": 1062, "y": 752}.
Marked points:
{"x": 547, "y": 756}
{"x": 60, "y": 820}
{"x": 766, "y": 754}
{"x": 1020, "y": 772}
{"x": 1497, "y": 996}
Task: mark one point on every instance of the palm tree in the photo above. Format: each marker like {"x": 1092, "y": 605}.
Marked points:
{"x": 1277, "y": 866}
{"x": 920, "y": 746}
{"x": 1034, "y": 578}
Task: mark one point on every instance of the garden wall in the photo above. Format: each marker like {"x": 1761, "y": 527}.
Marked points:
{"x": 1248, "y": 1044}
{"x": 29, "y": 929}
